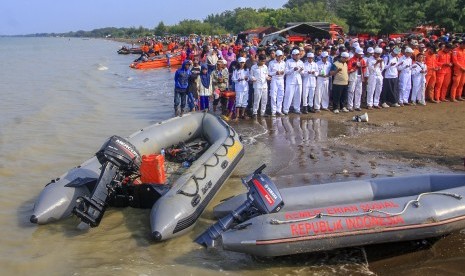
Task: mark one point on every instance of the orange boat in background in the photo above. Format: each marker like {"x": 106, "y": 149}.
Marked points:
{"x": 160, "y": 61}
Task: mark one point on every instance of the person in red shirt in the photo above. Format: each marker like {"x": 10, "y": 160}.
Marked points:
{"x": 458, "y": 79}
{"x": 444, "y": 75}
{"x": 357, "y": 68}
{"x": 237, "y": 49}
{"x": 183, "y": 54}
{"x": 431, "y": 63}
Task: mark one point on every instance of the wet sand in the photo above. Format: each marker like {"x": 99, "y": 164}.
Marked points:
{"x": 433, "y": 133}
{"x": 328, "y": 147}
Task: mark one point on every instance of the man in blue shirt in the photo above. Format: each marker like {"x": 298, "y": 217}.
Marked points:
{"x": 181, "y": 83}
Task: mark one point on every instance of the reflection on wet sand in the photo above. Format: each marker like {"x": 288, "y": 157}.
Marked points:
{"x": 305, "y": 150}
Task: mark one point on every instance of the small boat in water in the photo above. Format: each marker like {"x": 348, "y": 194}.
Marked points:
{"x": 160, "y": 61}
{"x": 111, "y": 178}
{"x": 126, "y": 51}
{"x": 346, "y": 214}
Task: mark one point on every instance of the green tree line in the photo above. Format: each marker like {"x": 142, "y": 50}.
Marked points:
{"x": 355, "y": 16}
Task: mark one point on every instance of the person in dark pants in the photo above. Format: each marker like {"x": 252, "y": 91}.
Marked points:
{"x": 181, "y": 83}
{"x": 252, "y": 59}
{"x": 340, "y": 73}
{"x": 192, "y": 93}
{"x": 390, "y": 93}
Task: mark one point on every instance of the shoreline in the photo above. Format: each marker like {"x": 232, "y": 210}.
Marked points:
{"x": 432, "y": 133}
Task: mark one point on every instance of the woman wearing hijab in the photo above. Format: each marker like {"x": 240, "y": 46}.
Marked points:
{"x": 205, "y": 89}
{"x": 241, "y": 77}
{"x": 212, "y": 60}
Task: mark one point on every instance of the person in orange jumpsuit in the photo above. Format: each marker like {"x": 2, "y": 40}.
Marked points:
{"x": 156, "y": 48}
{"x": 444, "y": 75}
{"x": 431, "y": 63}
{"x": 145, "y": 48}
{"x": 458, "y": 79}
{"x": 171, "y": 46}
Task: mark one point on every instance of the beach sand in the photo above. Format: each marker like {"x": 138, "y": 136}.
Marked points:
{"x": 435, "y": 132}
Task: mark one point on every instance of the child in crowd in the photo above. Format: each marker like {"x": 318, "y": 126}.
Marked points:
{"x": 419, "y": 70}
{"x": 205, "y": 89}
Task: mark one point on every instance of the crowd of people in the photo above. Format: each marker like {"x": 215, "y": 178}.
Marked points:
{"x": 242, "y": 79}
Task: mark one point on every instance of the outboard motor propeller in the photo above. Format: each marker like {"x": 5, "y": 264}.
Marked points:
{"x": 263, "y": 197}
{"x": 119, "y": 159}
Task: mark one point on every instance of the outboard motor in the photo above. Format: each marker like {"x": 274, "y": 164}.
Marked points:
{"x": 119, "y": 159}
{"x": 263, "y": 197}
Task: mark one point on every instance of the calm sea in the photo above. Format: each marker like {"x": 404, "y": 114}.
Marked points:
{"x": 61, "y": 98}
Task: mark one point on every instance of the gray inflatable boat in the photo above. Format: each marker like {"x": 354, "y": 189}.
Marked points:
{"x": 99, "y": 182}
{"x": 354, "y": 213}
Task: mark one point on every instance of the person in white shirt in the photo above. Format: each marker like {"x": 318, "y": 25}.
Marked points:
{"x": 375, "y": 79}
{"x": 293, "y": 92}
{"x": 419, "y": 70}
{"x": 322, "y": 83}
{"x": 276, "y": 69}
{"x": 259, "y": 77}
{"x": 405, "y": 76}
{"x": 240, "y": 78}
{"x": 390, "y": 93}
{"x": 309, "y": 83}
{"x": 369, "y": 53}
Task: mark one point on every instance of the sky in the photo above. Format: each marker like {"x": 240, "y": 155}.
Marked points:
{"x": 19, "y": 17}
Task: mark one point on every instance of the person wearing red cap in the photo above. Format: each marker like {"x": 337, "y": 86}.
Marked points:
{"x": 458, "y": 79}
{"x": 444, "y": 75}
